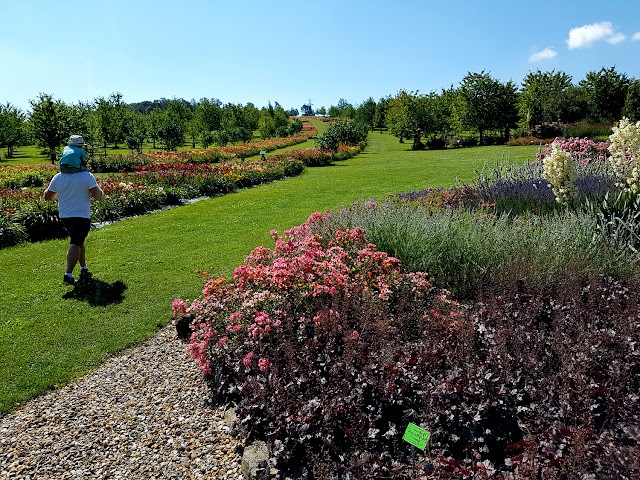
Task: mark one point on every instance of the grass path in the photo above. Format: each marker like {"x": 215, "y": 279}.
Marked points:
{"x": 46, "y": 338}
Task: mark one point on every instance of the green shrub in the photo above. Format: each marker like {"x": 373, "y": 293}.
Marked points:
{"x": 436, "y": 143}
{"x": 469, "y": 142}
{"x": 594, "y": 131}
{"x": 11, "y": 233}
{"x": 40, "y": 220}
{"x": 342, "y": 133}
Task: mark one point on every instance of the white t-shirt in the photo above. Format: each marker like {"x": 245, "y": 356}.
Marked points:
{"x": 73, "y": 193}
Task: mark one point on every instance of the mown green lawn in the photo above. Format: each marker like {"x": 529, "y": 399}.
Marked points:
{"x": 46, "y": 338}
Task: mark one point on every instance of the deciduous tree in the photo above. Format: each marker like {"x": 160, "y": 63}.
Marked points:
{"x": 478, "y": 106}
{"x": 607, "y": 92}
{"x": 540, "y": 99}
{"x": 49, "y": 123}
{"x": 631, "y": 108}
{"x": 12, "y": 127}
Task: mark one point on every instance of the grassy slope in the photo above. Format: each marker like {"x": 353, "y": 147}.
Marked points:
{"x": 45, "y": 339}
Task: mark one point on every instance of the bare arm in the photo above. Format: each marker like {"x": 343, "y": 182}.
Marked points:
{"x": 49, "y": 195}
{"x": 96, "y": 192}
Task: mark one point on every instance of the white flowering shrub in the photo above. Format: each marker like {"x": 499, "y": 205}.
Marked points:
{"x": 559, "y": 169}
{"x": 625, "y": 155}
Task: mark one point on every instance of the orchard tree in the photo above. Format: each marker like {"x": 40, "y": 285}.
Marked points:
{"x": 234, "y": 123}
{"x": 113, "y": 117}
{"x": 12, "y": 127}
{"x": 307, "y": 109}
{"x": 252, "y": 116}
{"x": 179, "y": 112}
{"x": 631, "y": 108}
{"x": 106, "y": 122}
{"x": 274, "y": 122}
{"x": 607, "y": 94}
{"x": 49, "y": 123}
{"x": 507, "y": 97}
{"x": 344, "y": 110}
{"x": 80, "y": 118}
{"x": 267, "y": 126}
{"x": 403, "y": 117}
{"x": 208, "y": 117}
{"x": 366, "y": 111}
{"x": 136, "y": 130}
{"x": 478, "y": 105}
{"x": 380, "y": 115}
{"x": 540, "y": 99}
{"x": 153, "y": 121}
{"x": 171, "y": 134}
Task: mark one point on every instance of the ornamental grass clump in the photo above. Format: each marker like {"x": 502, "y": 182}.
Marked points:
{"x": 559, "y": 168}
{"x": 625, "y": 155}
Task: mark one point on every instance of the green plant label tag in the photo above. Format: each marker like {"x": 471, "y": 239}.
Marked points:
{"x": 416, "y": 436}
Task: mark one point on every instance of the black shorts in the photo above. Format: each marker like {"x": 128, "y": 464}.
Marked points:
{"x": 78, "y": 229}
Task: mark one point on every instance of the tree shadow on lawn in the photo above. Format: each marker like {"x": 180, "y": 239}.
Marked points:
{"x": 96, "y": 292}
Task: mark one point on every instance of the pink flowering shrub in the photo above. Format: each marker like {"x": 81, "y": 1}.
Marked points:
{"x": 286, "y": 290}
{"x": 583, "y": 150}
{"x": 303, "y": 338}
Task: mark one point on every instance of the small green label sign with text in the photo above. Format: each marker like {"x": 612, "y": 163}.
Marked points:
{"x": 416, "y": 436}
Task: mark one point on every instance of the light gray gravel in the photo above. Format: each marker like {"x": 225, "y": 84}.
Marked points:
{"x": 141, "y": 415}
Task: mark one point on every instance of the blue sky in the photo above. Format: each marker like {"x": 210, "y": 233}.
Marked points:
{"x": 291, "y": 52}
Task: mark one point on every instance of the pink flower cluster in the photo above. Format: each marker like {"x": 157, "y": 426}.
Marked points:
{"x": 583, "y": 150}
{"x": 262, "y": 325}
{"x": 276, "y": 287}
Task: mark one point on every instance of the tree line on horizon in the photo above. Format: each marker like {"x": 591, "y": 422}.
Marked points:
{"x": 481, "y": 105}
{"x": 112, "y": 122}
{"x": 540, "y": 107}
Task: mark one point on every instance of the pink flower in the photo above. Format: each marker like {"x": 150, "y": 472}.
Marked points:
{"x": 178, "y": 306}
{"x": 247, "y": 360}
{"x": 264, "y": 363}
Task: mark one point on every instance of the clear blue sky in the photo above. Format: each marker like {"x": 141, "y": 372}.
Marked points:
{"x": 291, "y": 52}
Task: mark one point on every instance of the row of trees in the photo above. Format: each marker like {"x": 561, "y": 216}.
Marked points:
{"x": 480, "y": 104}
{"x": 111, "y": 122}
{"x": 483, "y": 104}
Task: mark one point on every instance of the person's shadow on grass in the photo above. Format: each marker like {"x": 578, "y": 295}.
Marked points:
{"x": 96, "y": 292}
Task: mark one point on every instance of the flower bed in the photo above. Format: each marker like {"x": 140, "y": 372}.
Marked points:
{"x": 330, "y": 347}
{"x": 317, "y": 157}
{"x": 151, "y": 181}
{"x": 25, "y": 216}
{"x": 17, "y": 176}
{"x": 119, "y": 163}
{"x": 583, "y": 150}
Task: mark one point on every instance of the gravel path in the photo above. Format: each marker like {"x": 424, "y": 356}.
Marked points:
{"x": 141, "y": 415}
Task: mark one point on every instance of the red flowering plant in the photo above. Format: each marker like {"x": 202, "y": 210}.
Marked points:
{"x": 305, "y": 339}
